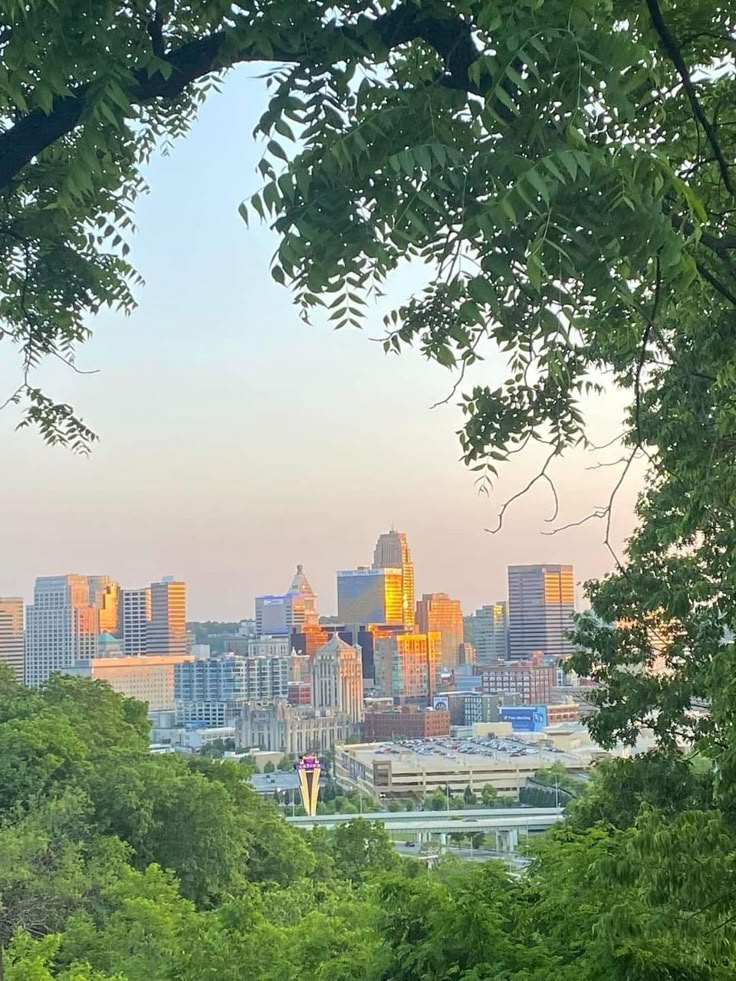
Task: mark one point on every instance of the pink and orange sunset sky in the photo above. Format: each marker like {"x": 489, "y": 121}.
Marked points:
{"x": 235, "y": 441}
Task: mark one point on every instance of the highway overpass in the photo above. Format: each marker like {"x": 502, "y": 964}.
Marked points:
{"x": 507, "y": 823}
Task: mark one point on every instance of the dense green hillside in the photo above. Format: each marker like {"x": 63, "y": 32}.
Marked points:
{"x": 118, "y": 865}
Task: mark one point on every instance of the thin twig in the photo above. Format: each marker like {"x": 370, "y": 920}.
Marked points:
{"x": 542, "y": 475}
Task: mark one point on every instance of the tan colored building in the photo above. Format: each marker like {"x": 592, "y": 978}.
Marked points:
{"x": 436, "y": 612}
{"x": 167, "y": 630}
{"x": 282, "y": 728}
{"x": 12, "y": 641}
{"x": 337, "y": 679}
{"x": 407, "y": 665}
{"x": 149, "y": 677}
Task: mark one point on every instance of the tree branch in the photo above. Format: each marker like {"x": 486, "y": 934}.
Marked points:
{"x": 37, "y": 130}
{"x": 716, "y": 283}
{"x": 672, "y": 50}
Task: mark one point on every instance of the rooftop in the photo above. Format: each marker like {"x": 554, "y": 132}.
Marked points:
{"x": 277, "y": 782}
{"x": 473, "y": 753}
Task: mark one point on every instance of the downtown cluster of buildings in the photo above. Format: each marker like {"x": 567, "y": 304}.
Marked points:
{"x": 388, "y": 665}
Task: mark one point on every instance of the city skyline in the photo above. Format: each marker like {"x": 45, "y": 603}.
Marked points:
{"x": 498, "y": 575}
{"x": 248, "y": 607}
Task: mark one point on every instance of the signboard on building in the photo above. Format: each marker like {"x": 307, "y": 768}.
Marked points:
{"x": 525, "y": 718}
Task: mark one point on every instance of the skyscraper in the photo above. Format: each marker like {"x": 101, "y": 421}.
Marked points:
{"x": 134, "y": 615}
{"x": 288, "y": 612}
{"x": 167, "y": 630}
{"x": 392, "y": 552}
{"x": 62, "y": 627}
{"x": 436, "y": 612}
{"x": 12, "y": 642}
{"x": 104, "y": 593}
{"x": 303, "y": 603}
{"x": 337, "y": 679}
{"x": 491, "y": 633}
{"x": 541, "y": 608}
{"x": 370, "y": 596}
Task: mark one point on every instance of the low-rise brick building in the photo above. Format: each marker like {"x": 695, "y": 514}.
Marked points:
{"x": 406, "y": 722}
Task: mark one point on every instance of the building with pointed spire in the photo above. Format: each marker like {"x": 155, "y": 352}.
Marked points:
{"x": 337, "y": 679}
{"x": 392, "y": 552}
{"x": 282, "y": 614}
{"x": 303, "y": 602}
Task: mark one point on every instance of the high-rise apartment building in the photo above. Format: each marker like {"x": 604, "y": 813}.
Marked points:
{"x": 12, "y": 641}
{"x": 62, "y": 627}
{"x": 134, "y": 616}
{"x": 392, "y": 552}
{"x": 294, "y": 610}
{"x": 490, "y": 630}
{"x": 167, "y": 630}
{"x": 407, "y": 666}
{"x": 231, "y": 678}
{"x": 337, "y": 679}
{"x": 104, "y": 593}
{"x": 370, "y": 596}
{"x": 437, "y": 613}
{"x": 541, "y": 609}
{"x": 214, "y": 690}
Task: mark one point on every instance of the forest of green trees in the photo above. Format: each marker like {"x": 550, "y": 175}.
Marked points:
{"x": 115, "y": 864}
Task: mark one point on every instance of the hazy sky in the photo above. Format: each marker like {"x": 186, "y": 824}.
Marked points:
{"x": 236, "y": 441}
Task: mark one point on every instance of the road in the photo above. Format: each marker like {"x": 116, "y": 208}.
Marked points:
{"x": 511, "y": 819}
{"x": 467, "y": 854}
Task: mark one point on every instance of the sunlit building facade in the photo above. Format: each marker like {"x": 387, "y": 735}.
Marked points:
{"x": 437, "y": 613}
{"x": 370, "y": 596}
{"x": 62, "y": 628}
{"x": 407, "y": 665}
{"x": 541, "y": 610}
{"x": 146, "y": 677}
{"x": 12, "y": 641}
{"x": 392, "y": 552}
{"x": 104, "y": 593}
{"x": 167, "y": 631}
